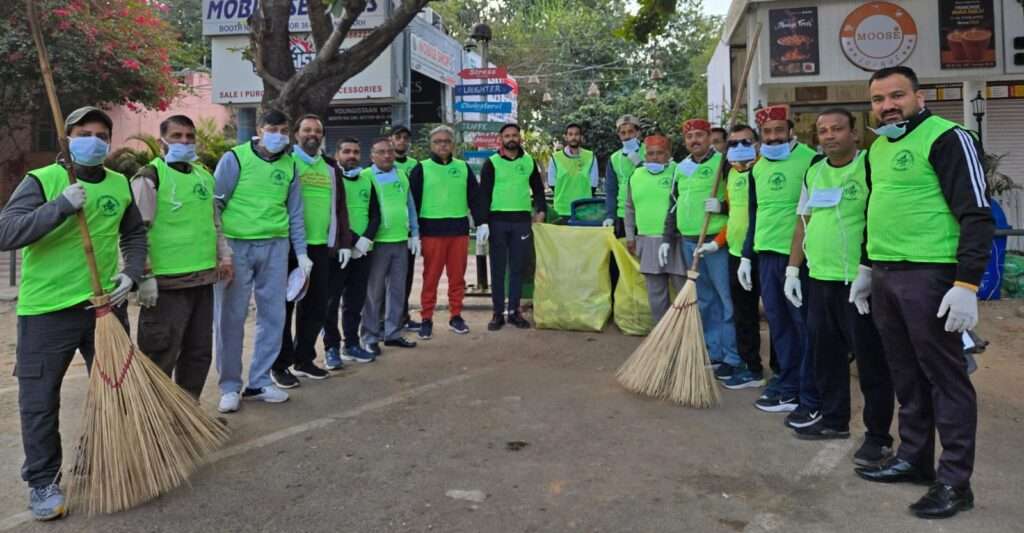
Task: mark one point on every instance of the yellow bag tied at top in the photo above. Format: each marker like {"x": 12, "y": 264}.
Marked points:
{"x": 572, "y": 287}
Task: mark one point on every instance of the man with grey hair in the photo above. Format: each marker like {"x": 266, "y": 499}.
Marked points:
{"x": 620, "y": 166}
{"x": 445, "y": 192}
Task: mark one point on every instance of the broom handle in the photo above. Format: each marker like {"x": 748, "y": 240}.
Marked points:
{"x": 722, "y": 169}
{"x": 58, "y": 122}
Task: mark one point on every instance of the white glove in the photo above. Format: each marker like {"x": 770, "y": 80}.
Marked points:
{"x": 663, "y": 254}
{"x": 706, "y": 248}
{"x": 306, "y": 264}
{"x": 120, "y": 293}
{"x": 483, "y": 232}
{"x": 712, "y": 205}
{"x": 344, "y": 255}
{"x": 743, "y": 273}
{"x": 962, "y": 305}
{"x": 363, "y": 246}
{"x": 75, "y": 195}
{"x": 860, "y": 290}
{"x": 148, "y": 292}
{"x": 414, "y": 246}
{"x": 608, "y": 222}
{"x": 791, "y": 288}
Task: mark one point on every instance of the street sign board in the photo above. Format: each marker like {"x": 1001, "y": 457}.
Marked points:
{"x": 483, "y": 127}
{"x": 483, "y": 107}
{"x": 483, "y": 73}
{"x": 478, "y": 90}
{"x": 487, "y": 140}
{"x": 477, "y": 154}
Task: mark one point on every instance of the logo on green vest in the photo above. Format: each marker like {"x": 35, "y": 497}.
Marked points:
{"x": 902, "y": 160}
{"x": 201, "y": 191}
{"x": 740, "y": 182}
{"x": 277, "y": 177}
{"x": 364, "y": 195}
{"x": 705, "y": 172}
{"x": 108, "y": 205}
{"x": 777, "y": 181}
{"x": 521, "y": 167}
{"x": 664, "y": 182}
{"x": 851, "y": 191}
{"x": 452, "y": 171}
{"x": 397, "y": 186}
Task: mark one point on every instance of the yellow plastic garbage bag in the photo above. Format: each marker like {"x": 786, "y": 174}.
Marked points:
{"x": 632, "y": 310}
{"x": 572, "y": 288}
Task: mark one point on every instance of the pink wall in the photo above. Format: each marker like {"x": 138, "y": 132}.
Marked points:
{"x": 194, "y": 103}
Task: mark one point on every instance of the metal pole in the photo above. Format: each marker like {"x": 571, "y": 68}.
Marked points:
{"x": 482, "y": 278}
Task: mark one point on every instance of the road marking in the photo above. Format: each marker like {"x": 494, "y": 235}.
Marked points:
{"x": 20, "y": 519}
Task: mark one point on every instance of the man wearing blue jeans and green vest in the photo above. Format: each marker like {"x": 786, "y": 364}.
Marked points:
{"x": 775, "y": 183}
{"x": 620, "y": 166}
{"x": 693, "y": 181}
{"x": 572, "y": 173}
{"x": 260, "y": 201}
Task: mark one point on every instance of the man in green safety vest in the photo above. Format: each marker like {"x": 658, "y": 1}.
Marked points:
{"x": 398, "y": 237}
{"x": 775, "y": 184}
{"x": 260, "y": 200}
{"x": 647, "y": 197}
{"x": 620, "y": 166}
{"x": 187, "y": 256}
{"x": 832, "y": 208}
{"x": 54, "y": 318}
{"x": 691, "y": 198}
{"x": 572, "y": 172}
{"x": 328, "y": 245}
{"x": 510, "y": 191}
{"x": 445, "y": 192}
{"x": 401, "y": 138}
{"x": 929, "y": 232}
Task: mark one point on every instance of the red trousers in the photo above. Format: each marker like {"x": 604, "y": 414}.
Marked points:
{"x": 444, "y": 253}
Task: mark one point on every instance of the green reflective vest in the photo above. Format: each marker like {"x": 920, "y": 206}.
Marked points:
{"x": 572, "y": 179}
{"x": 315, "y": 181}
{"x": 357, "y": 201}
{"x": 908, "y": 217}
{"x": 693, "y": 191}
{"x": 512, "y": 183}
{"x": 624, "y": 168}
{"x": 394, "y": 207}
{"x": 835, "y": 234}
{"x": 258, "y": 207}
{"x": 55, "y": 275}
{"x": 739, "y": 215}
{"x": 182, "y": 237}
{"x": 407, "y": 165}
{"x": 651, "y": 194}
{"x": 778, "y": 185}
{"x": 444, "y": 189}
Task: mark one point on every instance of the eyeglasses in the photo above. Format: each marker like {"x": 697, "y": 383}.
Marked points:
{"x": 441, "y": 141}
{"x": 737, "y": 142}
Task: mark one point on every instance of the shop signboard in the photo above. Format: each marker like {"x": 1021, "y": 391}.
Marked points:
{"x": 876, "y": 35}
{"x": 966, "y": 31}
{"x": 231, "y": 17}
{"x": 793, "y": 36}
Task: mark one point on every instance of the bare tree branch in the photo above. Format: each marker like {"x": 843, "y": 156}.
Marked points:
{"x": 319, "y": 23}
{"x": 257, "y": 35}
{"x": 358, "y": 57}
{"x": 329, "y": 50}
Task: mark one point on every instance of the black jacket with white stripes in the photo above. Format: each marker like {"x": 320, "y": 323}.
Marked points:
{"x": 956, "y": 158}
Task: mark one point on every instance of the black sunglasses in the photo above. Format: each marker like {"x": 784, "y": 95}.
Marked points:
{"x": 744, "y": 142}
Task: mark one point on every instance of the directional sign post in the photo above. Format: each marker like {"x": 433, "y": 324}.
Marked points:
{"x": 482, "y": 127}
{"x": 484, "y": 107}
{"x": 483, "y": 73}
{"x": 482, "y": 90}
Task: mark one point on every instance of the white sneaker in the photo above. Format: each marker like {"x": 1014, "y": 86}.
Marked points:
{"x": 228, "y": 402}
{"x": 269, "y": 394}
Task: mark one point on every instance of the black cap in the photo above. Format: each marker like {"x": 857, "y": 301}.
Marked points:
{"x": 87, "y": 114}
{"x": 399, "y": 129}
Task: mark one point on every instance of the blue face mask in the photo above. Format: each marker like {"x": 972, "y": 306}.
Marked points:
{"x": 631, "y": 145}
{"x": 352, "y": 173}
{"x": 309, "y": 159}
{"x": 776, "y": 152}
{"x": 88, "y": 151}
{"x": 892, "y": 130}
{"x": 274, "y": 142}
{"x": 741, "y": 153}
{"x": 180, "y": 153}
{"x": 654, "y": 168}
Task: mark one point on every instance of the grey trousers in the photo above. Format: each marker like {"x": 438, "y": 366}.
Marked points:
{"x": 385, "y": 294}
{"x": 658, "y": 292}
{"x": 46, "y": 346}
{"x": 260, "y": 265}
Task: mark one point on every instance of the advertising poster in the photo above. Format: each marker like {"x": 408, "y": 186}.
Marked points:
{"x": 793, "y": 41}
{"x": 966, "y": 31}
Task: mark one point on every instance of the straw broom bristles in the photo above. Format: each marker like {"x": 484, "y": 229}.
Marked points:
{"x": 143, "y": 434}
{"x": 672, "y": 362}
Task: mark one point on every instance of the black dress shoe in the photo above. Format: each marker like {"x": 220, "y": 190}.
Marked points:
{"x": 400, "y": 342}
{"x": 497, "y": 321}
{"x": 518, "y": 321}
{"x": 895, "y": 470}
{"x": 943, "y": 501}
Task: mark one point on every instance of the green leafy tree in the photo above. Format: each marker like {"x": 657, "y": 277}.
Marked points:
{"x": 186, "y": 17}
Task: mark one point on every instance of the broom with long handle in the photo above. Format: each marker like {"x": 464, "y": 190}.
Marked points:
{"x": 142, "y": 434}
{"x": 672, "y": 362}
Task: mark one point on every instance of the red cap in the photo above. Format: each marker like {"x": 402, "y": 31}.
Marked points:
{"x": 772, "y": 112}
{"x": 695, "y": 124}
{"x": 657, "y": 140}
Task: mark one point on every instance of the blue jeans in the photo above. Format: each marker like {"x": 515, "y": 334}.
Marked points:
{"x": 788, "y": 327}
{"x": 261, "y": 265}
{"x": 715, "y": 302}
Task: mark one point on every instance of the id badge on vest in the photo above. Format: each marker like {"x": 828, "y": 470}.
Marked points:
{"x": 821, "y": 198}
